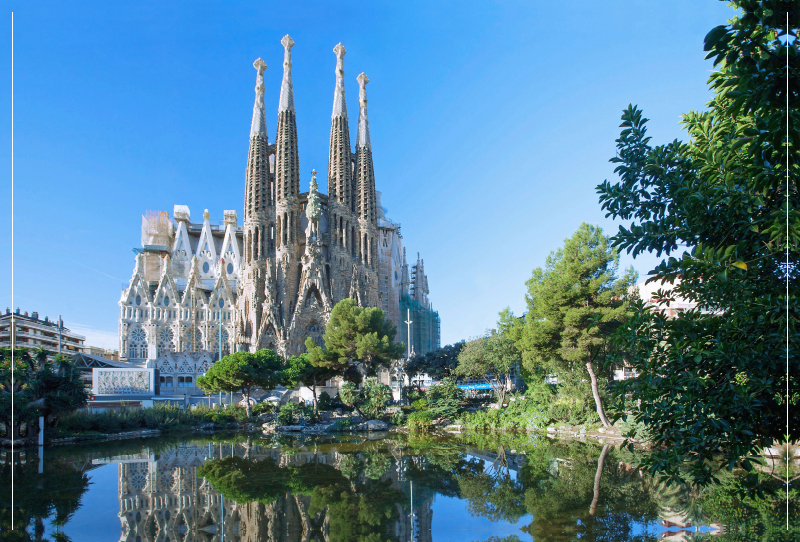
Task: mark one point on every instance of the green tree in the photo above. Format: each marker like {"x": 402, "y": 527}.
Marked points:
{"x": 356, "y": 338}
{"x": 723, "y": 209}
{"x": 370, "y": 400}
{"x": 439, "y": 363}
{"x": 574, "y": 304}
{"x": 444, "y": 399}
{"x": 299, "y": 369}
{"x": 41, "y": 387}
{"x": 243, "y": 371}
{"x": 492, "y": 358}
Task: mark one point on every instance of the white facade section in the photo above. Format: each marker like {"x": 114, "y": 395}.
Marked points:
{"x": 123, "y": 381}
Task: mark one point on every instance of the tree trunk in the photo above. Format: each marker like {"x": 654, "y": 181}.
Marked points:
{"x": 500, "y": 390}
{"x": 597, "y": 476}
{"x": 596, "y": 394}
{"x": 314, "y": 392}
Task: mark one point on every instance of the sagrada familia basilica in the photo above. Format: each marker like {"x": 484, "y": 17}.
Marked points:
{"x": 199, "y": 291}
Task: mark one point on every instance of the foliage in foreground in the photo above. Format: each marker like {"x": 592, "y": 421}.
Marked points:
{"x": 165, "y": 418}
{"x": 41, "y": 387}
{"x": 724, "y": 209}
{"x": 520, "y": 415}
{"x": 370, "y": 400}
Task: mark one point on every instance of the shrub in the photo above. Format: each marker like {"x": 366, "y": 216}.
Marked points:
{"x": 444, "y": 400}
{"x": 420, "y": 421}
{"x": 420, "y": 404}
{"x": 414, "y": 394}
{"x": 342, "y": 424}
{"x": 294, "y": 413}
{"x": 634, "y": 430}
{"x": 264, "y": 407}
{"x": 348, "y": 393}
{"x": 324, "y": 401}
{"x": 371, "y": 399}
{"x": 519, "y": 415}
{"x": 398, "y": 418}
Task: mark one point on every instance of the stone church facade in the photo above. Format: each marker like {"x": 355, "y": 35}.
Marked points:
{"x": 201, "y": 290}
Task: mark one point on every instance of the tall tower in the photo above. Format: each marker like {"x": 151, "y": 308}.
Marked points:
{"x": 287, "y": 194}
{"x": 365, "y": 198}
{"x": 258, "y": 215}
{"x": 343, "y": 222}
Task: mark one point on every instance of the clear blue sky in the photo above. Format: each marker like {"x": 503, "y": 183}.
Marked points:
{"x": 492, "y": 123}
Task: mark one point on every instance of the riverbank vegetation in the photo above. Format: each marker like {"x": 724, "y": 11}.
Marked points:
{"x": 165, "y": 418}
{"x": 41, "y": 386}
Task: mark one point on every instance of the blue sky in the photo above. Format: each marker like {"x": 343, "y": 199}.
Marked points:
{"x": 491, "y": 124}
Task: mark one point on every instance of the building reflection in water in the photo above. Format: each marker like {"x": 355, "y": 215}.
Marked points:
{"x": 163, "y": 499}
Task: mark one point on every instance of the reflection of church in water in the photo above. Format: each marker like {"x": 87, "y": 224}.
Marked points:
{"x": 162, "y": 499}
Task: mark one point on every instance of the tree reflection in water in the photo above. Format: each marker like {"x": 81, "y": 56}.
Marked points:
{"x": 351, "y": 488}
{"x": 50, "y": 496}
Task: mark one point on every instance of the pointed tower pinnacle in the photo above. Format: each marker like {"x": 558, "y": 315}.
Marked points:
{"x": 339, "y": 104}
{"x": 287, "y": 92}
{"x": 365, "y": 173}
{"x": 362, "y": 140}
{"x": 287, "y": 171}
{"x": 256, "y": 193}
{"x": 340, "y": 172}
{"x": 259, "y": 124}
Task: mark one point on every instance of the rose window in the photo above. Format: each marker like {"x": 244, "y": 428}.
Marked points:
{"x": 165, "y": 341}
{"x": 137, "y": 475}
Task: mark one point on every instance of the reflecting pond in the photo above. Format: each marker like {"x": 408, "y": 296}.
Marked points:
{"x": 360, "y": 488}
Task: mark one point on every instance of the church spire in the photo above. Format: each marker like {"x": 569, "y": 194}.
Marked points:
{"x": 257, "y": 175}
{"x": 287, "y": 169}
{"x": 340, "y": 176}
{"x": 365, "y": 174}
{"x": 287, "y": 92}
{"x": 362, "y": 140}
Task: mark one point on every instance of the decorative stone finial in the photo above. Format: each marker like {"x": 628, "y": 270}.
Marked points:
{"x": 339, "y": 104}
{"x": 287, "y": 91}
{"x": 340, "y": 52}
{"x": 260, "y": 65}
{"x": 259, "y": 124}
{"x": 206, "y": 215}
{"x": 362, "y": 92}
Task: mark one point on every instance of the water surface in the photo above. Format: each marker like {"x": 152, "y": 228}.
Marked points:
{"x": 347, "y": 488}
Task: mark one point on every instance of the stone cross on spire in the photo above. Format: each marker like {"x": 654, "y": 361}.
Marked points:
{"x": 287, "y": 92}
{"x": 339, "y": 105}
{"x": 362, "y": 139}
{"x": 259, "y": 124}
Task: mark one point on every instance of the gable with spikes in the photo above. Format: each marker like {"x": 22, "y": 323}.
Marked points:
{"x": 230, "y": 250}
{"x": 182, "y": 248}
{"x": 166, "y": 287}
{"x": 206, "y": 252}
{"x": 138, "y": 287}
{"x": 193, "y": 287}
{"x": 222, "y": 290}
